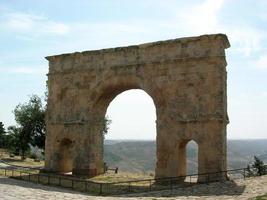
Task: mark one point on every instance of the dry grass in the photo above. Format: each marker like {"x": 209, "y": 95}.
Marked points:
{"x": 16, "y": 160}
{"x": 263, "y": 197}
{"x": 120, "y": 177}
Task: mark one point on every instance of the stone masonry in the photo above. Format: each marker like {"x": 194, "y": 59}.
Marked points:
{"x": 185, "y": 77}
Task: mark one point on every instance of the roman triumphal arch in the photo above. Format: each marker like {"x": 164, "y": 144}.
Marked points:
{"x": 186, "y": 78}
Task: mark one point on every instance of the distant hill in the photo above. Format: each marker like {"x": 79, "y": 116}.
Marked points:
{"x": 140, "y": 156}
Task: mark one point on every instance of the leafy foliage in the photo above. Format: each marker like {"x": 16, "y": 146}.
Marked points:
{"x": 249, "y": 171}
{"x": 14, "y": 140}
{"x": 256, "y": 168}
{"x": 105, "y": 126}
{"x": 31, "y": 128}
{"x": 2, "y": 135}
{"x": 259, "y": 165}
{"x": 31, "y": 117}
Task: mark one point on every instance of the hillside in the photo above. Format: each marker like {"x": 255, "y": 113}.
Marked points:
{"x": 140, "y": 156}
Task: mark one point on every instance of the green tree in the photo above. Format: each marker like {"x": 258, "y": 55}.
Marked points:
{"x": 2, "y": 135}
{"x": 105, "y": 126}
{"x": 259, "y": 166}
{"x": 249, "y": 172}
{"x": 30, "y": 117}
{"x": 13, "y": 140}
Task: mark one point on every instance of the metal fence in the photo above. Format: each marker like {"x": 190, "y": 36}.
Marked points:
{"x": 115, "y": 188}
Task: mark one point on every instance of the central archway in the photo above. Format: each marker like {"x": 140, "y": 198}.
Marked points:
{"x": 106, "y": 93}
{"x": 130, "y": 141}
{"x": 133, "y": 116}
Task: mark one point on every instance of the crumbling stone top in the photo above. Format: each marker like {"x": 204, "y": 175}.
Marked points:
{"x": 182, "y": 41}
{"x": 181, "y": 49}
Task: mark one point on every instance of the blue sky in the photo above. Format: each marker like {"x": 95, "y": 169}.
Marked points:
{"x": 31, "y": 30}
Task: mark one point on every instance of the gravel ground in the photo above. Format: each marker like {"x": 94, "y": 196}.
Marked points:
{"x": 240, "y": 189}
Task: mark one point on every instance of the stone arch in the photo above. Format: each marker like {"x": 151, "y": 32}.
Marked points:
{"x": 66, "y": 155}
{"x": 183, "y": 156}
{"x": 192, "y": 157}
{"x": 105, "y": 92}
{"x": 186, "y": 78}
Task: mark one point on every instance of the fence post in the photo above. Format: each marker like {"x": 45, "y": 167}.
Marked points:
{"x": 150, "y": 185}
{"x": 72, "y": 184}
{"x": 48, "y": 182}
{"x": 29, "y": 177}
{"x": 129, "y": 187}
{"x": 86, "y": 185}
{"x": 38, "y": 178}
{"x": 100, "y": 189}
{"x": 244, "y": 173}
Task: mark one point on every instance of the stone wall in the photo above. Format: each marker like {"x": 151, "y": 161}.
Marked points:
{"x": 186, "y": 78}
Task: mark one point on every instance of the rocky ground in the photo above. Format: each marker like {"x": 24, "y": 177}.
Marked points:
{"x": 239, "y": 189}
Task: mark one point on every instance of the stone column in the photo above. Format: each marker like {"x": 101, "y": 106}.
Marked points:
{"x": 212, "y": 153}
{"x": 88, "y": 160}
{"x": 52, "y": 148}
{"x": 169, "y": 156}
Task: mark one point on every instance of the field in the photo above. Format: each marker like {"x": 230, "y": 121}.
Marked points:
{"x": 16, "y": 160}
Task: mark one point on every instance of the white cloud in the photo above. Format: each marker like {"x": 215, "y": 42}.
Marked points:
{"x": 245, "y": 39}
{"x": 202, "y": 18}
{"x": 21, "y": 22}
{"x": 262, "y": 62}
{"x": 34, "y": 25}
{"x": 56, "y": 28}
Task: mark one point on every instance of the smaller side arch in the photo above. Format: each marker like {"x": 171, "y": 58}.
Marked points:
{"x": 183, "y": 156}
{"x": 66, "y": 155}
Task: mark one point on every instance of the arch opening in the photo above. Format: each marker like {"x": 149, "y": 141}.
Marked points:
{"x": 66, "y": 156}
{"x": 188, "y": 160}
{"x": 132, "y": 132}
{"x": 191, "y": 157}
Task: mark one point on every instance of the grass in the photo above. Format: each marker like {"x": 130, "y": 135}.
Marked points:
{"x": 262, "y": 197}
{"x": 119, "y": 177}
{"x": 16, "y": 160}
